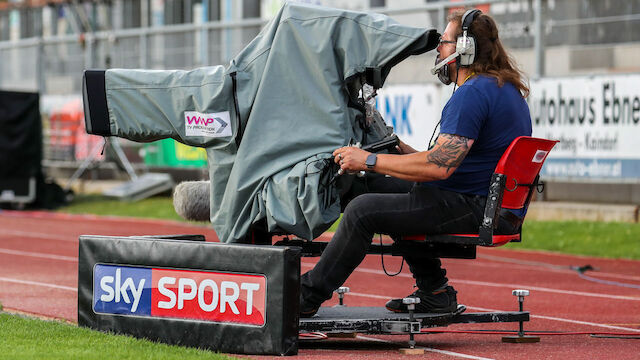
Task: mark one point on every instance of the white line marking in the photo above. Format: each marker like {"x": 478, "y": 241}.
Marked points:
{"x": 46, "y": 236}
{"x": 565, "y": 320}
{"x": 27, "y": 282}
{"x": 370, "y": 295}
{"x": 510, "y": 286}
{"x": 38, "y": 255}
{"x": 444, "y": 352}
{"x": 544, "y": 289}
{"x": 541, "y": 266}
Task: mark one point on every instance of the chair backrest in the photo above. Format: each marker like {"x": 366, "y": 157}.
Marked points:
{"x": 521, "y": 163}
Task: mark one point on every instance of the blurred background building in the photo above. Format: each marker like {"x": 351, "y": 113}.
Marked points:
{"x": 581, "y": 57}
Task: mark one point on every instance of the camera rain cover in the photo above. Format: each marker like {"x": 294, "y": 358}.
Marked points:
{"x": 271, "y": 119}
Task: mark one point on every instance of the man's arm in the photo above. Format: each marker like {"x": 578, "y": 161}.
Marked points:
{"x": 435, "y": 164}
{"x": 449, "y": 152}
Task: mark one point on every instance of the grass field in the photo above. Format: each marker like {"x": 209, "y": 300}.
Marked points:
{"x": 26, "y": 338}
{"x": 157, "y": 207}
{"x": 612, "y": 240}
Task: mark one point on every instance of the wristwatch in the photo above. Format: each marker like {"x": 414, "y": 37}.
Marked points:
{"x": 371, "y": 161}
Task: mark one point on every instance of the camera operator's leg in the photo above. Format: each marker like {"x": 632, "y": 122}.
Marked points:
{"x": 376, "y": 184}
{"x": 416, "y": 212}
{"x": 433, "y": 290}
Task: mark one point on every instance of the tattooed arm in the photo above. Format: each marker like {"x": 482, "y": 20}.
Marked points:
{"x": 449, "y": 152}
{"x": 436, "y": 164}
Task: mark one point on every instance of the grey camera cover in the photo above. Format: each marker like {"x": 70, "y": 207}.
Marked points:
{"x": 271, "y": 119}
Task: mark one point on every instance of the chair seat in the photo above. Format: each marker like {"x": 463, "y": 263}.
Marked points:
{"x": 466, "y": 239}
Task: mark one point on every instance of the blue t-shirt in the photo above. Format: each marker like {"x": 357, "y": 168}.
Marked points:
{"x": 491, "y": 115}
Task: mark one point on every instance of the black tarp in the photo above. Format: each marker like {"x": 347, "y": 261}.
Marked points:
{"x": 22, "y": 180}
{"x": 20, "y": 135}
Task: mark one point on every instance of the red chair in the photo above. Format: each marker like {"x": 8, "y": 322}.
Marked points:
{"x": 514, "y": 180}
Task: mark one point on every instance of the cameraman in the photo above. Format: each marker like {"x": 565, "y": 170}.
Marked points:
{"x": 443, "y": 189}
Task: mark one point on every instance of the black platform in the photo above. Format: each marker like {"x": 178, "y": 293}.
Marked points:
{"x": 378, "y": 320}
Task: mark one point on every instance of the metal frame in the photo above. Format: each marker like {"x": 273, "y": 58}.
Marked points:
{"x": 378, "y": 320}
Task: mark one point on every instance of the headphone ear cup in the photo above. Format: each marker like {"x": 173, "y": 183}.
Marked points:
{"x": 460, "y": 46}
{"x": 467, "y": 50}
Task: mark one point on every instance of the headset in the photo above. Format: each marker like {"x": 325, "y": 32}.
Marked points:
{"x": 466, "y": 44}
{"x": 465, "y": 53}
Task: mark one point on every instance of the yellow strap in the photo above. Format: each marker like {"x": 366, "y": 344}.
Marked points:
{"x": 467, "y": 78}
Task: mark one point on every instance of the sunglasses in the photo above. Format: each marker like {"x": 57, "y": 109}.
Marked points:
{"x": 441, "y": 42}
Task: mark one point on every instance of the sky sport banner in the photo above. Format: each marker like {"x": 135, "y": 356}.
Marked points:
{"x": 230, "y": 298}
{"x": 596, "y": 119}
{"x": 181, "y": 294}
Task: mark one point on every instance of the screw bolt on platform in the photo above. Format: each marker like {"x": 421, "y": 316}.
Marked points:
{"x": 341, "y": 291}
{"x": 521, "y": 338}
{"x": 411, "y": 306}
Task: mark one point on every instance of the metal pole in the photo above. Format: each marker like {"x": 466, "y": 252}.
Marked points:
{"x": 539, "y": 40}
{"x": 204, "y": 37}
{"x": 442, "y": 18}
{"x": 40, "y": 66}
{"x": 115, "y": 145}
{"x": 88, "y": 51}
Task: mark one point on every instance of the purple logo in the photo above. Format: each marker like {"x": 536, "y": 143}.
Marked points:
{"x": 199, "y": 120}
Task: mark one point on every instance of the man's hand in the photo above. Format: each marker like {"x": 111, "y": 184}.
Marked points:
{"x": 403, "y": 148}
{"x": 350, "y": 158}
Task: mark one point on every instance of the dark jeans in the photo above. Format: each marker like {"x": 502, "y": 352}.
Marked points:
{"x": 395, "y": 207}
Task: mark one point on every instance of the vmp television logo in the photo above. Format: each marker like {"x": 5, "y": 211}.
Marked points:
{"x": 179, "y": 294}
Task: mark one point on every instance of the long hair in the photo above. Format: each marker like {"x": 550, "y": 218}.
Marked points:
{"x": 491, "y": 57}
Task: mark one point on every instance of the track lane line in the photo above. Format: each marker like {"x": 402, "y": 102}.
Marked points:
{"x": 35, "y": 283}
{"x": 580, "y": 322}
{"x": 542, "y": 266}
{"x": 39, "y": 235}
{"x": 444, "y": 352}
{"x": 544, "y": 289}
{"x": 38, "y": 255}
{"x": 503, "y": 285}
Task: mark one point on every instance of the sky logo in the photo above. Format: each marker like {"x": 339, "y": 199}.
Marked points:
{"x": 122, "y": 290}
{"x": 182, "y": 294}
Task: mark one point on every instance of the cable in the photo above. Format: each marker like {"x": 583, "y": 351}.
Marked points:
{"x": 382, "y": 260}
{"x": 602, "y": 335}
{"x": 607, "y": 282}
{"x": 579, "y": 269}
{"x": 430, "y": 144}
{"x": 316, "y": 335}
{"x": 537, "y": 333}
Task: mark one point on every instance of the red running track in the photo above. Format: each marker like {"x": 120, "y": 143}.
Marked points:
{"x": 39, "y": 250}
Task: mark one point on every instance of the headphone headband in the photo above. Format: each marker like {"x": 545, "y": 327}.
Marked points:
{"x": 468, "y": 18}
{"x": 466, "y": 43}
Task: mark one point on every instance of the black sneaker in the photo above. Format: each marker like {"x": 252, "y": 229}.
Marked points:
{"x": 307, "y": 309}
{"x": 439, "y": 301}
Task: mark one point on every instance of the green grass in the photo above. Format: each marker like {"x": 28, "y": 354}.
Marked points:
{"x": 157, "y": 207}
{"x": 603, "y": 239}
{"x": 611, "y": 240}
{"x": 25, "y": 338}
